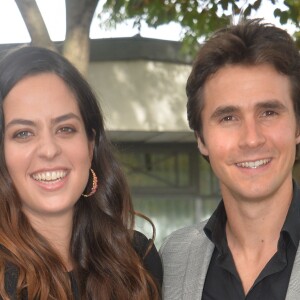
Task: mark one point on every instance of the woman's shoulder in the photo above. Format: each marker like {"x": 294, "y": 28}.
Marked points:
{"x": 140, "y": 243}
{"x": 11, "y": 276}
{"x": 11, "y": 280}
{"x": 146, "y": 249}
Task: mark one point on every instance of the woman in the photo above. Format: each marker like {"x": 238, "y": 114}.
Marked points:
{"x": 66, "y": 217}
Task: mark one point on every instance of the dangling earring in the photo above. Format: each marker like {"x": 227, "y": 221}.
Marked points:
{"x": 94, "y": 186}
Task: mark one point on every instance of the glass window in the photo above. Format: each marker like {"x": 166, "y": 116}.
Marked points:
{"x": 168, "y": 213}
{"x": 172, "y": 184}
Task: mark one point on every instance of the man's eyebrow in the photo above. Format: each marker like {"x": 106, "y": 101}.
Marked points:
{"x": 271, "y": 104}
{"x": 222, "y": 111}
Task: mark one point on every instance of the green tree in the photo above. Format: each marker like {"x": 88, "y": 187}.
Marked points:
{"x": 197, "y": 18}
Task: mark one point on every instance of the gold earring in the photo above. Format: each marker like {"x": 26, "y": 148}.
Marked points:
{"x": 94, "y": 186}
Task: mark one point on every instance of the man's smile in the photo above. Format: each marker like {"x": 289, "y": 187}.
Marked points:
{"x": 254, "y": 164}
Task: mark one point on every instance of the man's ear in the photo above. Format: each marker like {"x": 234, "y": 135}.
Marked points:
{"x": 201, "y": 145}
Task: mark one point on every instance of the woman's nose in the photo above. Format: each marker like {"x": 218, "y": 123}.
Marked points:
{"x": 48, "y": 146}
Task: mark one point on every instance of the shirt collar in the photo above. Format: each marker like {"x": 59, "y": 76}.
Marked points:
{"x": 215, "y": 227}
{"x": 292, "y": 222}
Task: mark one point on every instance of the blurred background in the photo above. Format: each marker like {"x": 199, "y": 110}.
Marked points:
{"x": 137, "y": 55}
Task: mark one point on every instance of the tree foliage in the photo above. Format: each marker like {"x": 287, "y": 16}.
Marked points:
{"x": 197, "y": 18}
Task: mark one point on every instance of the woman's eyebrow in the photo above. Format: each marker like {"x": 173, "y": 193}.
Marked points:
{"x": 19, "y": 122}
{"x": 56, "y": 120}
{"x": 65, "y": 118}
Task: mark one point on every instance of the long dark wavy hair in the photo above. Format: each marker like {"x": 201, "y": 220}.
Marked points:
{"x": 106, "y": 265}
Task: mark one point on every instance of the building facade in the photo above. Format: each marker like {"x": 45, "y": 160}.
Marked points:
{"x": 140, "y": 83}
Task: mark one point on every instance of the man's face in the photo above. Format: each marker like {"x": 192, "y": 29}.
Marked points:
{"x": 250, "y": 131}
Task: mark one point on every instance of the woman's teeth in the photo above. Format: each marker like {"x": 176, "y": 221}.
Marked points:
{"x": 49, "y": 175}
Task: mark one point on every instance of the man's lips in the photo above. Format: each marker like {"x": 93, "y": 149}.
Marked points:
{"x": 253, "y": 164}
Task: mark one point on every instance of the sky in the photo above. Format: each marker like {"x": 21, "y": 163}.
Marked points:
{"x": 14, "y": 29}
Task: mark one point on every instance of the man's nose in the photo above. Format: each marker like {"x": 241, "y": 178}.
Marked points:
{"x": 252, "y": 135}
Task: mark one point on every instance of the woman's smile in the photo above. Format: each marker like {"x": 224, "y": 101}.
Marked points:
{"x": 49, "y": 176}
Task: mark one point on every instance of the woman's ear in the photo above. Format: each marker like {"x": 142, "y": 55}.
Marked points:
{"x": 298, "y": 135}
{"x": 91, "y": 146}
{"x": 91, "y": 149}
{"x": 201, "y": 145}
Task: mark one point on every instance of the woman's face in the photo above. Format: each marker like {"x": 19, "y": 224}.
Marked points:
{"x": 47, "y": 152}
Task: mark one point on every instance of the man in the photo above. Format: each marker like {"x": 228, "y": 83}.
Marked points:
{"x": 244, "y": 106}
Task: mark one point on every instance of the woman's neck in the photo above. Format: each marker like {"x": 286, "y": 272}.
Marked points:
{"x": 57, "y": 231}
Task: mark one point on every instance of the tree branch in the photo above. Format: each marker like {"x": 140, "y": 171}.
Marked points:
{"x": 35, "y": 24}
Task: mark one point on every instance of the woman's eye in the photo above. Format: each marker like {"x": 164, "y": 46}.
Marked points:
{"x": 23, "y": 134}
{"x": 66, "y": 130}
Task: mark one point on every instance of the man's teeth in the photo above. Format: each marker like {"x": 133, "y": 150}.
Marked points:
{"x": 253, "y": 164}
{"x": 49, "y": 176}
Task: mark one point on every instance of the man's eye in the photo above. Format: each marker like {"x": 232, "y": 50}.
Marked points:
{"x": 227, "y": 119}
{"x": 269, "y": 113}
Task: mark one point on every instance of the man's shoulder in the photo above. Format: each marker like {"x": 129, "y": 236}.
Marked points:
{"x": 181, "y": 239}
{"x": 188, "y": 231}
{"x": 185, "y": 256}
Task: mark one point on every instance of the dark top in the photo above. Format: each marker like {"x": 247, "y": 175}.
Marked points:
{"x": 222, "y": 280}
{"x": 151, "y": 262}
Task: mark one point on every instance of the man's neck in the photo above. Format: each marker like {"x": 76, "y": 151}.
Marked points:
{"x": 252, "y": 231}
